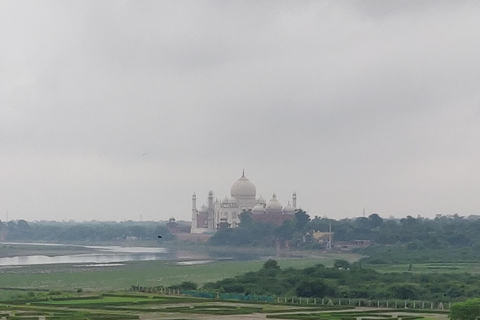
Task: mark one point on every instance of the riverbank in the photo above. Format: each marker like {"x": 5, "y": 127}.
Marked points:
{"x": 121, "y": 276}
{"x": 9, "y": 249}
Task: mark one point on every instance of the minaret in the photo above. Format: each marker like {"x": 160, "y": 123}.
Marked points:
{"x": 211, "y": 212}
{"x": 194, "y": 202}
{"x": 194, "y": 213}
{"x": 210, "y": 200}
{"x": 294, "y": 200}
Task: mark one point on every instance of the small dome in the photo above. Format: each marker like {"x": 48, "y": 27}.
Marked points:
{"x": 288, "y": 209}
{"x": 232, "y": 200}
{"x": 273, "y": 204}
{"x": 243, "y": 188}
{"x": 261, "y": 200}
{"x": 225, "y": 200}
{"x": 258, "y": 209}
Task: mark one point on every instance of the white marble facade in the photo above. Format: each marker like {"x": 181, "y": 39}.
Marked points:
{"x": 242, "y": 197}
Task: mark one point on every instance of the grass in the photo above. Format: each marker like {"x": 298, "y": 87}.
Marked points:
{"x": 144, "y": 273}
{"x": 353, "y": 315}
{"x": 100, "y": 300}
{"x": 215, "y": 309}
{"x": 459, "y": 267}
{"x": 136, "y": 306}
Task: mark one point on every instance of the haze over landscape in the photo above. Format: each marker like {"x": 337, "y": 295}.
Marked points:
{"x": 117, "y": 110}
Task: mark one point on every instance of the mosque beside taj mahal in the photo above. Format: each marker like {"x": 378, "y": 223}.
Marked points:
{"x": 243, "y": 197}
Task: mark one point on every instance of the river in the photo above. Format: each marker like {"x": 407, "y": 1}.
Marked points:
{"x": 99, "y": 256}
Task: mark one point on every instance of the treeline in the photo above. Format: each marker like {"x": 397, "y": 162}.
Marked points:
{"x": 417, "y": 232}
{"x": 21, "y": 230}
{"x": 408, "y": 239}
{"x": 349, "y": 281}
{"x": 398, "y": 253}
{"x": 251, "y": 233}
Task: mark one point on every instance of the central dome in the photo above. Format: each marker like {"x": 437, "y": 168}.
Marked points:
{"x": 243, "y": 188}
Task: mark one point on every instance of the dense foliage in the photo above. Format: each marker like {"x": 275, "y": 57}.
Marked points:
{"x": 86, "y": 231}
{"x": 251, "y": 233}
{"x": 409, "y": 240}
{"x": 468, "y": 310}
{"x": 355, "y": 282}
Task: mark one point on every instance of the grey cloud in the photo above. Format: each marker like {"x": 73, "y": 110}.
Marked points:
{"x": 352, "y": 104}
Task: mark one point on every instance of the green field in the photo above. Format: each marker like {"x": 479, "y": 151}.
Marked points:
{"x": 75, "y": 291}
{"x": 102, "y": 300}
{"x": 460, "y": 267}
{"x": 143, "y": 273}
{"x": 141, "y": 306}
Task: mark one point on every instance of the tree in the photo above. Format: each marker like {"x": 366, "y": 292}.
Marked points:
{"x": 363, "y": 225}
{"x": 468, "y": 310}
{"x": 301, "y": 220}
{"x": 271, "y": 264}
{"x": 341, "y": 264}
{"x": 23, "y": 225}
{"x": 285, "y": 231}
{"x": 270, "y": 270}
{"x": 221, "y": 237}
{"x": 246, "y": 220}
{"x": 375, "y": 219}
{"x": 312, "y": 288}
{"x": 241, "y": 237}
{"x": 185, "y": 285}
{"x": 405, "y": 291}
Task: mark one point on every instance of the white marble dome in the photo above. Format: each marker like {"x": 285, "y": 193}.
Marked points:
{"x": 243, "y": 188}
{"x": 273, "y": 204}
{"x": 258, "y": 209}
{"x": 261, "y": 200}
{"x": 288, "y": 209}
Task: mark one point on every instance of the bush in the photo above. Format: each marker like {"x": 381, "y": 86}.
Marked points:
{"x": 185, "y": 285}
{"x": 468, "y": 310}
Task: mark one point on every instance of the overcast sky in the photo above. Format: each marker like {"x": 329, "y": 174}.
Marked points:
{"x": 120, "y": 110}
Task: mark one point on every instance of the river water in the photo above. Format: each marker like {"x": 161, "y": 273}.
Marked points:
{"x": 100, "y": 256}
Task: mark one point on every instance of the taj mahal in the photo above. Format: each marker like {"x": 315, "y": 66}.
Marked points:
{"x": 243, "y": 197}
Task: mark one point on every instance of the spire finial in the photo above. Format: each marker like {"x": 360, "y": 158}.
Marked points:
{"x": 243, "y": 173}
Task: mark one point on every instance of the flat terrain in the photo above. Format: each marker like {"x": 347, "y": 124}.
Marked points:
{"x": 128, "y": 306}
{"x": 121, "y": 276}
{"x": 24, "y": 249}
{"x": 77, "y": 291}
{"x": 143, "y": 273}
{"x": 458, "y": 267}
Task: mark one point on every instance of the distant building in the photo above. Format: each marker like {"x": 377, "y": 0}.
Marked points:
{"x": 174, "y": 227}
{"x": 243, "y": 197}
{"x": 324, "y": 238}
{"x": 349, "y": 245}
